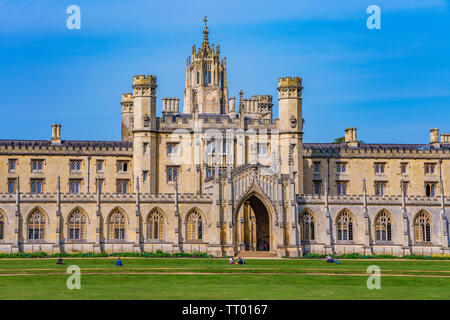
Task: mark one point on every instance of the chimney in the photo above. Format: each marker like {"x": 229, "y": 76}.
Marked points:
{"x": 350, "y": 137}
{"x": 434, "y": 138}
{"x": 56, "y": 134}
{"x": 445, "y": 138}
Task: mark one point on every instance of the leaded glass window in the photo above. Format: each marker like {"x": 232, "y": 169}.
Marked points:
{"x": 116, "y": 226}
{"x": 306, "y": 221}
{"x": 36, "y": 225}
{"x": 77, "y": 225}
{"x": 155, "y": 226}
{"x": 36, "y": 186}
{"x": 194, "y": 226}
{"x": 422, "y": 227}
{"x": 344, "y": 225}
{"x": 383, "y": 226}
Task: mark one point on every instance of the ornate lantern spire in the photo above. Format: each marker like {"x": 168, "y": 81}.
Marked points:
{"x": 205, "y": 33}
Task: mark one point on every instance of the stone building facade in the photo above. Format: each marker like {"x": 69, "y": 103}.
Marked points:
{"x": 223, "y": 181}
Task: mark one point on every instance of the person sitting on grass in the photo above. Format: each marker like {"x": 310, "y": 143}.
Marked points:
{"x": 231, "y": 260}
{"x": 241, "y": 261}
{"x": 330, "y": 259}
{"x": 119, "y": 263}
{"x": 60, "y": 261}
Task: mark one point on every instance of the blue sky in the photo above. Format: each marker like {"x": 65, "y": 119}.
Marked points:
{"x": 392, "y": 84}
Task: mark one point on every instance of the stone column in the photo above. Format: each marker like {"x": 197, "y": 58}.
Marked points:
{"x": 17, "y": 226}
{"x": 228, "y": 214}
{"x": 329, "y": 238}
{"x": 98, "y": 229}
{"x": 137, "y": 244}
{"x": 58, "y": 220}
{"x": 293, "y": 249}
{"x": 367, "y": 244}
{"x": 405, "y": 225}
{"x": 443, "y": 219}
{"x": 177, "y": 220}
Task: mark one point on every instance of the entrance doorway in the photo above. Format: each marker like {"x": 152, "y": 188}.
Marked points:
{"x": 253, "y": 230}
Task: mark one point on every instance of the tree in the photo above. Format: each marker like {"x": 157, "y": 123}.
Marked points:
{"x": 339, "y": 140}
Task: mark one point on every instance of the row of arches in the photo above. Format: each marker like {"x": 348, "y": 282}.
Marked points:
{"x": 383, "y": 223}
{"x": 116, "y": 222}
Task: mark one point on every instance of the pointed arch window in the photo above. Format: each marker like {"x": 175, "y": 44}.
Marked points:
{"x": 77, "y": 225}
{"x": 344, "y": 226}
{"x": 194, "y": 226}
{"x": 422, "y": 227}
{"x": 307, "y": 226}
{"x": 383, "y": 226}
{"x": 116, "y": 226}
{"x": 155, "y": 226}
{"x": 36, "y": 225}
{"x": 2, "y": 226}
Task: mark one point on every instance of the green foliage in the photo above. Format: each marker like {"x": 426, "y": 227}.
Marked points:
{"x": 339, "y": 140}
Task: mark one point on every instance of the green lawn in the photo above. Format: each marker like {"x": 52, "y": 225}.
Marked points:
{"x": 161, "y": 278}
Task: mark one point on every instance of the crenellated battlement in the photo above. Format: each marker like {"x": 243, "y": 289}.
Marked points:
{"x": 144, "y": 79}
{"x": 290, "y": 82}
{"x": 127, "y": 97}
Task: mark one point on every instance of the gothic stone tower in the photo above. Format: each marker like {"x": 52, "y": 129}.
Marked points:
{"x": 144, "y": 132}
{"x": 206, "y": 80}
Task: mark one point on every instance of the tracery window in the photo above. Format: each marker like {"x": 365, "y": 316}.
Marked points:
{"x": 36, "y": 225}
{"x": 344, "y": 225}
{"x": 116, "y": 226}
{"x": 194, "y": 226}
{"x": 307, "y": 230}
{"x": 383, "y": 226}
{"x": 422, "y": 227}
{"x": 77, "y": 225}
{"x": 2, "y": 226}
{"x": 155, "y": 226}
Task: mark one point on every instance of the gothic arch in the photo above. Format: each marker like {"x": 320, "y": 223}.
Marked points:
{"x": 383, "y": 224}
{"x": 116, "y": 224}
{"x": 4, "y": 216}
{"x": 345, "y": 225}
{"x": 254, "y": 190}
{"x": 156, "y": 222}
{"x": 2, "y": 225}
{"x": 76, "y": 223}
{"x": 82, "y": 211}
{"x": 157, "y": 208}
{"x": 47, "y": 219}
{"x": 37, "y": 225}
{"x": 308, "y": 223}
{"x": 422, "y": 224}
{"x": 195, "y": 223}
{"x": 127, "y": 219}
